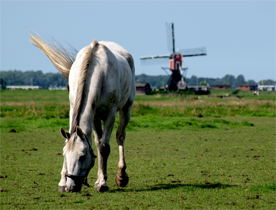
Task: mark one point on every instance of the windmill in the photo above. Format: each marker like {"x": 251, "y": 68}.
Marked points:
{"x": 176, "y": 80}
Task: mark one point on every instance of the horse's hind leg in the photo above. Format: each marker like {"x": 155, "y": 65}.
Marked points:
{"x": 124, "y": 117}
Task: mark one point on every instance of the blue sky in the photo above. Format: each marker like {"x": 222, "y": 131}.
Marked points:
{"x": 239, "y": 35}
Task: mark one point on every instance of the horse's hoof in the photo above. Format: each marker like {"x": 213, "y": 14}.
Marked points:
{"x": 103, "y": 188}
{"x": 122, "y": 182}
{"x": 61, "y": 188}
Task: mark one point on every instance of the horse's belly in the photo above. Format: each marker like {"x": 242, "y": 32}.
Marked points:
{"x": 123, "y": 101}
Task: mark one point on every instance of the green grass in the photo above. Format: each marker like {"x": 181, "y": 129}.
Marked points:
{"x": 174, "y": 161}
{"x": 54, "y": 104}
{"x": 137, "y": 123}
{"x": 33, "y": 95}
{"x": 209, "y": 168}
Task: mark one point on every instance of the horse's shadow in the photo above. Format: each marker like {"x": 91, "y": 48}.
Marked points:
{"x": 172, "y": 186}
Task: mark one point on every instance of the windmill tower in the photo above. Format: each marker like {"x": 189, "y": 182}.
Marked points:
{"x": 176, "y": 80}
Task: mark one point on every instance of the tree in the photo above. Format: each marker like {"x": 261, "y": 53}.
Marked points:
{"x": 203, "y": 84}
{"x": 239, "y": 81}
{"x": 2, "y": 83}
{"x": 251, "y": 82}
{"x": 267, "y": 82}
{"x": 229, "y": 80}
{"x": 193, "y": 81}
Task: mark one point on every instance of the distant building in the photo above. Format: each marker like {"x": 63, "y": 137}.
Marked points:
{"x": 248, "y": 87}
{"x": 22, "y": 87}
{"x": 266, "y": 87}
{"x": 199, "y": 88}
{"x": 57, "y": 87}
{"x": 221, "y": 87}
{"x": 143, "y": 88}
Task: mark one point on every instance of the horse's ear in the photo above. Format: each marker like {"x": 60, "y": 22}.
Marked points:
{"x": 64, "y": 134}
{"x": 79, "y": 132}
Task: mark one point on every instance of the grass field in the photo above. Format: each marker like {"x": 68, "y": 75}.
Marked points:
{"x": 182, "y": 152}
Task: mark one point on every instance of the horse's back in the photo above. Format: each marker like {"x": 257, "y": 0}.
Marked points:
{"x": 118, "y": 49}
{"x": 115, "y": 67}
{"x": 126, "y": 71}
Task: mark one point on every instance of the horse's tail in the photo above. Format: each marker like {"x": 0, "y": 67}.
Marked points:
{"x": 60, "y": 57}
{"x": 88, "y": 50}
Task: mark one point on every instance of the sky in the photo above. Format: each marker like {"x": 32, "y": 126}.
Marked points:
{"x": 239, "y": 36}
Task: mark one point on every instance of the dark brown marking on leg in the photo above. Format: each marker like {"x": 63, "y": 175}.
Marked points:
{"x": 122, "y": 179}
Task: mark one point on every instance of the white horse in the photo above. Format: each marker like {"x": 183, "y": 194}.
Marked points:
{"x": 101, "y": 82}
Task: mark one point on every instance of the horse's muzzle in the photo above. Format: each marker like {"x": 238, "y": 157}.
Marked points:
{"x": 75, "y": 183}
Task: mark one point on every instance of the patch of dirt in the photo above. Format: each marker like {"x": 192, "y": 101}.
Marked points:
{"x": 253, "y": 197}
{"x": 182, "y": 198}
{"x": 12, "y": 131}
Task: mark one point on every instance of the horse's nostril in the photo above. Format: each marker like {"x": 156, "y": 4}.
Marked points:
{"x": 73, "y": 189}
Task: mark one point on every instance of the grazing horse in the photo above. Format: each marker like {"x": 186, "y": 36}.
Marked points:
{"x": 101, "y": 82}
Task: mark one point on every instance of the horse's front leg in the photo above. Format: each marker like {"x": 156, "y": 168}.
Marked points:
{"x": 124, "y": 117}
{"x": 97, "y": 130}
{"x": 62, "y": 183}
{"x": 103, "y": 152}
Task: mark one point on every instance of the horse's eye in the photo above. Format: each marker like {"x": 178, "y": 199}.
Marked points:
{"x": 82, "y": 158}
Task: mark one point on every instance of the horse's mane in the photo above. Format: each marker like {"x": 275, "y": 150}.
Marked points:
{"x": 81, "y": 84}
{"x": 60, "y": 57}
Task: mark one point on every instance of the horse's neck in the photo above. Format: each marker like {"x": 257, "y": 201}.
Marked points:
{"x": 86, "y": 115}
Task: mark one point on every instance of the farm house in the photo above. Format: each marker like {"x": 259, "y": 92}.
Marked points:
{"x": 221, "y": 87}
{"x": 248, "y": 87}
{"x": 143, "y": 88}
{"x": 266, "y": 87}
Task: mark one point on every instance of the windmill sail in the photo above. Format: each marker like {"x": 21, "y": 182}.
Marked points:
{"x": 193, "y": 52}
{"x": 154, "y": 60}
{"x": 170, "y": 37}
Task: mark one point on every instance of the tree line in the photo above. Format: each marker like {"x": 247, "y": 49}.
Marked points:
{"x": 35, "y": 78}
{"x": 161, "y": 81}
{"x": 45, "y": 80}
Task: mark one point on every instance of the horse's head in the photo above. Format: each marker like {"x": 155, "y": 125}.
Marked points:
{"x": 79, "y": 158}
